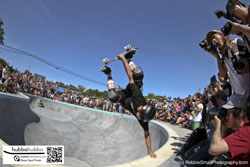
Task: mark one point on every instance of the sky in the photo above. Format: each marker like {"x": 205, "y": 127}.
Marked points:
{"x": 79, "y": 34}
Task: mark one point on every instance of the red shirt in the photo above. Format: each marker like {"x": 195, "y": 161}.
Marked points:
{"x": 239, "y": 145}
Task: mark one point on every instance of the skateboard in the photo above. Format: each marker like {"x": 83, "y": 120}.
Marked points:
{"x": 128, "y": 54}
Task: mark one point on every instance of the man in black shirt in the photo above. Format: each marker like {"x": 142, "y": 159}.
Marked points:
{"x": 131, "y": 98}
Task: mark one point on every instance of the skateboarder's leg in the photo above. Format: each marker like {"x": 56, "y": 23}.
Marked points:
{"x": 113, "y": 95}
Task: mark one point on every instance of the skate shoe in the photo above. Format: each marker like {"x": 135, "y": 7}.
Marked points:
{"x": 106, "y": 69}
{"x": 129, "y": 54}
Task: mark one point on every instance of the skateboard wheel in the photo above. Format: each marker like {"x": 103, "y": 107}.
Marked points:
{"x": 106, "y": 60}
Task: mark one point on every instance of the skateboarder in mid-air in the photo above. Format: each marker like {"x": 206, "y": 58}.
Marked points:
{"x": 131, "y": 98}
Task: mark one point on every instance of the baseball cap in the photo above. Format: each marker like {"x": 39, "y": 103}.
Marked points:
{"x": 211, "y": 33}
{"x": 236, "y": 101}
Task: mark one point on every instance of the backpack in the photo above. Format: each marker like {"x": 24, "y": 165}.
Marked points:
{"x": 245, "y": 53}
{"x": 196, "y": 136}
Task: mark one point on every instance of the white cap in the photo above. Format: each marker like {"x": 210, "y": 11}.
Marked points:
{"x": 236, "y": 100}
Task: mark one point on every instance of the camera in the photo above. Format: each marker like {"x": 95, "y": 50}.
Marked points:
{"x": 213, "y": 100}
{"x": 227, "y": 27}
{"x": 237, "y": 64}
{"x": 219, "y": 13}
{"x": 208, "y": 46}
{"x": 221, "y": 114}
{"x": 213, "y": 81}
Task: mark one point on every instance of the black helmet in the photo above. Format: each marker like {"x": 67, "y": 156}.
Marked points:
{"x": 147, "y": 112}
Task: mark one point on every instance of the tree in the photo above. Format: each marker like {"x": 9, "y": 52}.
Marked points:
{"x": 73, "y": 87}
{"x": 119, "y": 88}
{"x": 11, "y": 69}
{"x": 150, "y": 96}
{"x": 60, "y": 84}
{"x": 96, "y": 93}
{"x": 81, "y": 88}
{"x": 1, "y": 33}
{"x": 27, "y": 72}
{"x": 89, "y": 92}
{"x": 3, "y": 62}
{"x": 104, "y": 94}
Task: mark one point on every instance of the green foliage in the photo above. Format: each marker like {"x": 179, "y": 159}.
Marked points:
{"x": 81, "y": 88}
{"x": 151, "y": 96}
{"x": 65, "y": 86}
{"x": 119, "y": 88}
{"x": 105, "y": 94}
{"x": 27, "y": 72}
{"x": 72, "y": 87}
{"x": 96, "y": 93}
{"x": 3, "y": 62}
{"x": 11, "y": 69}
{"x": 60, "y": 84}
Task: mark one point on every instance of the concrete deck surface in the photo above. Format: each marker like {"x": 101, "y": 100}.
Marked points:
{"x": 90, "y": 137}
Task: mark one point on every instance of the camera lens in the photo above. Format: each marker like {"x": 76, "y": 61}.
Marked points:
{"x": 226, "y": 29}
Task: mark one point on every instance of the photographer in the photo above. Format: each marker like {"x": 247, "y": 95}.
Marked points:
{"x": 197, "y": 116}
{"x": 237, "y": 143}
{"x": 199, "y": 151}
{"x": 239, "y": 28}
{"x": 227, "y": 61}
{"x": 238, "y": 9}
{"x": 225, "y": 85}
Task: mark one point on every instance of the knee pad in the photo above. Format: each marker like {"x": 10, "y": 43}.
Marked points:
{"x": 138, "y": 73}
{"x": 113, "y": 96}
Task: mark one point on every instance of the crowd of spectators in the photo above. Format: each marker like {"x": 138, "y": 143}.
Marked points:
{"x": 191, "y": 112}
{"x": 223, "y": 107}
{"x": 177, "y": 111}
{"x": 185, "y": 112}
{"x": 38, "y": 85}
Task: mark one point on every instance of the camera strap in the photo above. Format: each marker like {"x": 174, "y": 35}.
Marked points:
{"x": 249, "y": 10}
{"x": 220, "y": 54}
{"x": 247, "y": 42}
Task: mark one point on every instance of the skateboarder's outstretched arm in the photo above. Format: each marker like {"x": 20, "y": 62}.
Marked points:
{"x": 127, "y": 68}
{"x": 148, "y": 143}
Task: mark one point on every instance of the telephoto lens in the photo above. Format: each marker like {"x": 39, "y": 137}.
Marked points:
{"x": 226, "y": 29}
